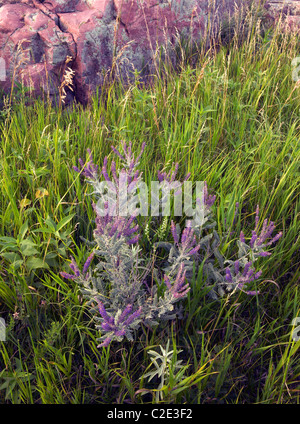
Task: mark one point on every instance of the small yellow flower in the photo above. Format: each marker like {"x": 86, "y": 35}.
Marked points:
{"x": 41, "y": 192}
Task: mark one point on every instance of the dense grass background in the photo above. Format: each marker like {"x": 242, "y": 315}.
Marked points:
{"x": 230, "y": 116}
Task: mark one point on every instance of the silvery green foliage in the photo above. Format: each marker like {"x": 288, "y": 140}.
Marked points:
{"x": 125, "y": 289}
{"x": 181, "y": 252}
{"x": 162, "y": 364}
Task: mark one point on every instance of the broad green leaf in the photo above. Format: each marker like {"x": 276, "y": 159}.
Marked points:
{"x": 6, "y": 239}
{"x": 51, "y": 255}
{"x": 64, "y": 221}
{"x": 50, "y": 223}
{"x": 27, "y": 248}
{"x": 17, "y": 264}
{"x": 12, "y": 247}
{"x": 43, "y": 230}
{"x": 62, "y": 251}
{"x": 35, "y": 263}
{"x": 23, "y": 230}
{"x": 11, "y": 257}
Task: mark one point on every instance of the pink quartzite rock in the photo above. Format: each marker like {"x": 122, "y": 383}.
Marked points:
{"x": 288, "y": 11}
{"x": 33, "y": 47}
{"x": 37, "y": 36}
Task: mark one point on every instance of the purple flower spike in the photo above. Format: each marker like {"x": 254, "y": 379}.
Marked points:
{"x": 88, "y": 263}
{"x": 117, "y": 153}
{"x": 133, "y": 317}
{"x": 160, "y": 176}
{"x": 106, "y": 342}
{"x": 128, "y": 159}
{"x": 129, "y": 149}
{"x": 240, "y": 279}
{"x": 174, "y": 232}
{"x": 172, "y": 178}
{"x": 253, "y": 238}
{"x": 103, "y": 313}
{"x": 265, "y": 232}
{"x": 117, "y": 326}
{"x": 89, "y": 170}
{"x": 259, "y": 240}
{"x": 74, "y": 267}
{"x": 237, "y": 266}
{"x": 209, "y": 200}
{"x": 242, "y": 237}
{"x": 120, "y": 333}
{"x": 188, "y": 242}
{"x": 276, "y": 238}
{"x": 117, "y": 225}
{"x": 134, "y": 240}
{"x": 114, "y": 171}
{"x": 187, "y": 176}
{"x": 252, "y": 293}
{"x": 246, "y": 269}
{"x": 228, "y": 275}
{"x": 257, "y": 275}
{"x": 171, "y": 175}
{"x": 68, "y": 276}
{"x": 264, "y": 254}
{"x": 125, "y": 313}
{"x": 194, "y": 250}
{"x": 179, "y": 289}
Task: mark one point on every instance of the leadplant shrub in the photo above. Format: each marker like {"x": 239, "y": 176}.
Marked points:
{"x": 127, "y": 287}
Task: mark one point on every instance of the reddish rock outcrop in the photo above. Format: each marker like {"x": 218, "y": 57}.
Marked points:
{"x": 37, "y": 36}
{"x": 33, "y": 47}
{"x": 288, "y": 11}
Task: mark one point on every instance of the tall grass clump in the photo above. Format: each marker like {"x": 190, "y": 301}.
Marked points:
{"x": 207, "y": 303}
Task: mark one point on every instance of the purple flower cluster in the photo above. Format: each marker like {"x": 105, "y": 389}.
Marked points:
{"x": 89, "y": 170}
{"x": 258, "y": 241}
{"x": 130, "y": 163}
{"x": 171, "y": 175}
{"x": 75, "y": 269}
{"x": 241, "y": 278}
{"x": 242, "y": 237}
{"x": 179, "y": 289}
{"x": 87, "y": 263}
{"x": 110, "y": 224}
{"x": 116, "y": 225}
{"x": 117, "y": 325}
{"x": 209, "y": 199}
{"x": 187, "y": 241}
{"x": 128, "y": 157}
